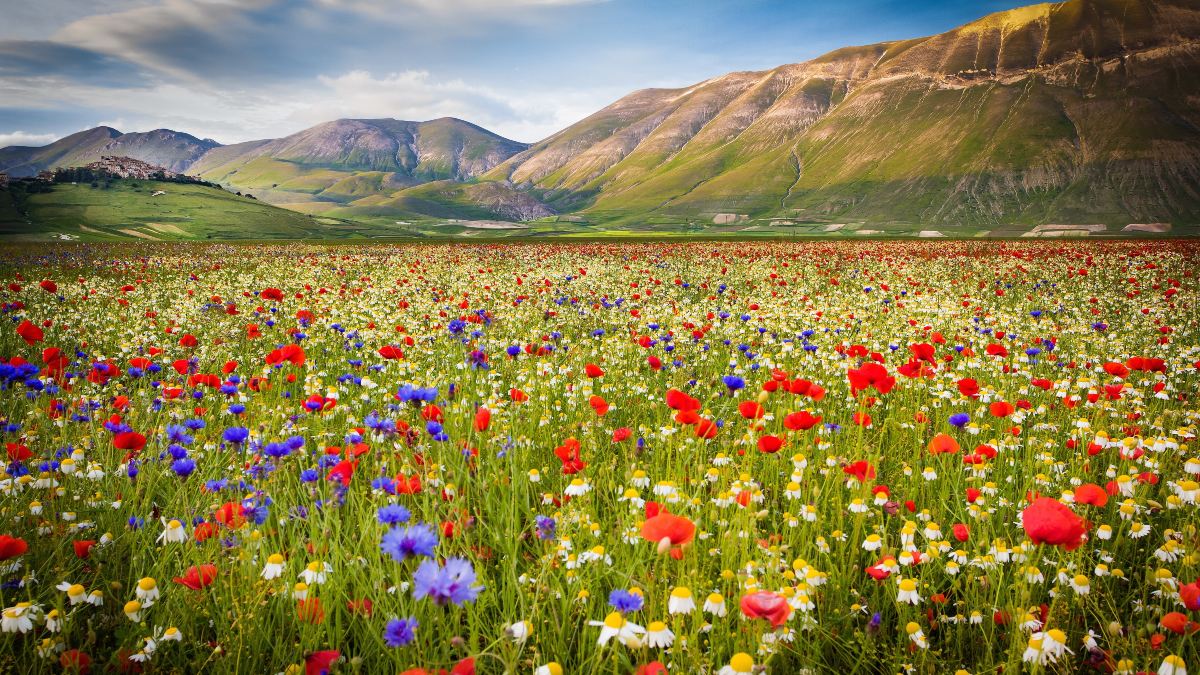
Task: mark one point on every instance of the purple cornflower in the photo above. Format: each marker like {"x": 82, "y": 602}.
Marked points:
{"x": 545, "y": 527}
{"x": 409, "y": 542}
{"x": 453, "y": 582}
{"x": 183, "y": 467}
{"x": 733, "y": 382}
{"x": 237, "y": 434}
{"x": 400, "y": 632}
{"x": 393, "y": 514}
{"x": 623, "y": 601}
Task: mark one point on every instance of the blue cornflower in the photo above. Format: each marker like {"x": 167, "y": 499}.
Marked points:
{"x": 183, "y": 467}
{"x": 960, "y": 419}
{"x": 623, "y": 601}
{"x": 393, "y": 514}
{"x": 400, "y": 632}
{"x": 237, "y": 434}
{"x": 733, "y": 382}
{"x": 178, "y": 434}
{"x": 545, "y": 527}
{"x": 453, "y": 582}
{"x": 409, "y": 542}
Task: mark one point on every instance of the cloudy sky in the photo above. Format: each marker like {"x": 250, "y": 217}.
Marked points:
{"x": 236, "y": 70}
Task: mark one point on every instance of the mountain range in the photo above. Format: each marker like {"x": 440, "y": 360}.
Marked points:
{"x": 1086, "y": 111}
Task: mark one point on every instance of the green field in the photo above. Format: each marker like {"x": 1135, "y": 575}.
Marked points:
{"x": 129, "y": 210}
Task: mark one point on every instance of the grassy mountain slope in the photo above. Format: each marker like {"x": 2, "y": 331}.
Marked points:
{"x": 1082, "y": 111}
{"x": 344, "y": 160}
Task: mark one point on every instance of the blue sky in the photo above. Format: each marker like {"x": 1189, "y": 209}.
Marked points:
{"x": 237, "y": 70}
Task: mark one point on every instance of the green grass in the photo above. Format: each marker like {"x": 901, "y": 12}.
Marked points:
{"x": 127, "y": 210}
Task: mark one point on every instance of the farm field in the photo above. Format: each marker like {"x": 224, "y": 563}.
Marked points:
{"x": 738, "y": 457}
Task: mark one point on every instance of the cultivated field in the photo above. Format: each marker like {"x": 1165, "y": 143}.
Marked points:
{"x": 845, "y": 457}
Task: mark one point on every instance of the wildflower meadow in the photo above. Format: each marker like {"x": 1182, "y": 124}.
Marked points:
{"x": 724, "y": 458}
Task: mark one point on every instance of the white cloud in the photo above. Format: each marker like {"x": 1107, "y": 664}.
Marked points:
{"x": 25, "y": 138}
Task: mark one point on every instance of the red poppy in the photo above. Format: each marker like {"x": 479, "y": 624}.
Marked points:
{"x": 922, "y": 352}
{"x": 198, "y": 576}
{"x": 652, "y": 668}
{"x": 969, "y": 387}
{"x": 1116, "y": 369}
{"x": 569, "y": 454}
{"x": 309, "y": 610}
{"x": 861, "y": 470}
{"x": 751, "y": 410}
{"x": 1178, "y": 623}
{"x": 11, "y": 547}
{"x": 18, "y": 452}
{"x": 1001, "y": 409}
{"x": 204, "y": 532}
{"x": 677, "y": 400}
{"x": 1090, "y": 493}
{"x": 593, "y": 370}
{"x": 669, "y": 531}
{"x": 943, "y": 444}
{"x": 621, "y": 434}
{"x": 391, "y": 352}
{"x": 961, "y": 532}
{"x": 29, "y": 332}
{"x": 599, "y": 405}
{"x": 83, "y": 548}
{"x": 188, "y": 340}
{"x": 1049, "y": 521}
{"x": 48, "y": 286}
{"x": 766, "y": 605}
{"x": 129, "y": 440}
{"x": 801, "y": 421}
{"x": 231, "y": 515}
{"x": 293, "y": 354}
{"x": 408, "y": 485}
{"x": 320, "y": 663}
{"x": 870, "y": 375}
{"x": 342, "y": 472}
{"x": 271, "y": 294}
{"x": 706, "y": 428}
{"x": 362, "y": 607}
{"x": 1189, "y": 595}
{"x": 73, "y": 660}
{"x": 483, "y": 417}
{"x": 517, "y": 395}
{"x": 770, "y": 444}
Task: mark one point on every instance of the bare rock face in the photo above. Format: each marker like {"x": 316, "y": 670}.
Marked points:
{"x": 508, "y": 203}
